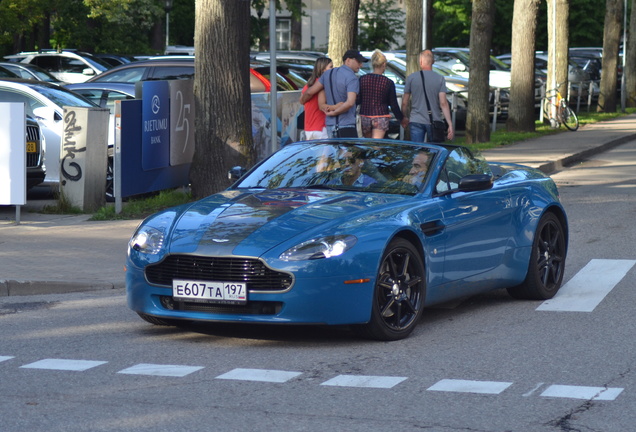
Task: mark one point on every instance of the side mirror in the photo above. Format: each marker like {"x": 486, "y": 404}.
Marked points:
{"x": 475, "y": 182}
{"x": 88, "y": 71}
{"x": 236, "y": 173}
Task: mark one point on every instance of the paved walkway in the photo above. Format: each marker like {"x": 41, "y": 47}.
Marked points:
{"x": 62, "y": 253}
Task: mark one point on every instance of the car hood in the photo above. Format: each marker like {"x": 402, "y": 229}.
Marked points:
{"x": 251, "y": 223}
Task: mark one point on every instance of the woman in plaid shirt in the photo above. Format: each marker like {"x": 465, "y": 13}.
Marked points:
{"x": 377, "y": 94}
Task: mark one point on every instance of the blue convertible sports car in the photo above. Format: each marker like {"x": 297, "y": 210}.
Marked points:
{"x": 351, "y": 231}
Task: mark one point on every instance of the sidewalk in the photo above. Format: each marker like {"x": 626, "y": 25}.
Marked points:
{"x": 48, "y": 254}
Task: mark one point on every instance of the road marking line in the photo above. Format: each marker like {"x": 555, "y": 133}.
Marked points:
{"x": 364, "y": 381}
{"x": 261, "y": 375}
{"x": 469, "y": 386}
{"x": 62, "y": 364}
{"x": 581, "y": 392}
{"x": 160, "y": 370}
{"x": 5, "y": 358}
{"x": 589, "y": 286}
{"x": 531, "y": 392}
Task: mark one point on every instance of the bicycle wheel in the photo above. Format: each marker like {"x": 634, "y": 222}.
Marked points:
{"x": 568, "y": 118}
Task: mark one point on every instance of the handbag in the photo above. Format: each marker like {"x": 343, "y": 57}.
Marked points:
{"x": 439, "y": 129}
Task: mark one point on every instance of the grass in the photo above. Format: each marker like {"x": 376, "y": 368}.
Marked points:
{"x": 62, "y": 206}
{"x": 141, "y": 207}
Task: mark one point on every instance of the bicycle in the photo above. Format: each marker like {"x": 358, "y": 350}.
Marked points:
{"x": 555, "y": 103}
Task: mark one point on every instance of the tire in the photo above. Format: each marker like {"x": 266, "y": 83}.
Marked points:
{"x": 547, "y": 262}
{"x": 399, "y": 292}
{"x": 110, "y": 196}
{"x": 568, "y": 118}
{"x": 159, "y": 321}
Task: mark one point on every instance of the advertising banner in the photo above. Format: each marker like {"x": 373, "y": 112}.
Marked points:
{"x": 12, "y": 154}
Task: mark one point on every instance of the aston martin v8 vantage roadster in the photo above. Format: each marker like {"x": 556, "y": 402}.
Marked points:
{"x": 356, "y": 232}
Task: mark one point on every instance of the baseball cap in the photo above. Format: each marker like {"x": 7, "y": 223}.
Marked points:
{"x": 354, "y": 55}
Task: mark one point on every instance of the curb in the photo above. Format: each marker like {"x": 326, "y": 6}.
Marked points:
{"x": 554, "y": 166}
{"x": 23, "y": 288}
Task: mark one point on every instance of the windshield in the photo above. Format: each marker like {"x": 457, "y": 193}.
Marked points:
{"x": 63, "y": 97}
{"x": 345, "y": 165}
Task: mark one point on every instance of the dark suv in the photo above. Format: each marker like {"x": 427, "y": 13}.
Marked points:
{"x": 34, "y": 154}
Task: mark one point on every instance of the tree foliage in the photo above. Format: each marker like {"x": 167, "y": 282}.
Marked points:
{"x": 382, "y": 25}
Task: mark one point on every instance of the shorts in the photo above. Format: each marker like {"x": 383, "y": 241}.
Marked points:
{"x": 312, "y": 135}
{"x": 370, "y": 123}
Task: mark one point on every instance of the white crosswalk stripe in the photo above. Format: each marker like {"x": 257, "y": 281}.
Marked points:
{"x": 581, "y": 392}
{"x": 5, "y": 358}
{"x": 364, "y": 381}
{"x": 589, "y": 286}
{"x": 64, "y": 364}
{"x": 263, "y": 375}
{"x": 160, "y": 370}
{"x": 469, "y": 386}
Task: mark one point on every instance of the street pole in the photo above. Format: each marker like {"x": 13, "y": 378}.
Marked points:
{"x": 272, "y": 76}
{"x": 168, "y": 8}
{"x": 424, "y": 24}
{"x": 623, "y": 96}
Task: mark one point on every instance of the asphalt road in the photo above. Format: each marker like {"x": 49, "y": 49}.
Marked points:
{"x": 84, "y": 362}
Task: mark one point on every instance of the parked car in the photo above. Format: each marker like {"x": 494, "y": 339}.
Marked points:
{"x": 29, "y": 71}
{"x": 68, "y": 66}
{"x": 297, "y": 57}
{"x": 7, "y": 73}
{"x": 176, "y": 67}
{"x": 35, "y": 151}
{"x": 115, "y": 59}
{"x": 44, "y": 102}
{"x": 289, "y": 243}
{"x": 458, "y": 60}
{"x": 145, "y": 70}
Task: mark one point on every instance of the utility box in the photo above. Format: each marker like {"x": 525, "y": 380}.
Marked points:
{"x": 12, "y": 154}
{"x": 84, "y": 157}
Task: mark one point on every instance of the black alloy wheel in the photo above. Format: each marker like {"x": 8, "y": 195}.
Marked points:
{"x": 399, "y": 293}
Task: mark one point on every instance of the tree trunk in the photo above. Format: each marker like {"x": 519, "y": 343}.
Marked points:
{"x": 611, "y": 41}
{"x": 296, "y": 24}
{"x": 343, "y": 28}
{"x": 558, "y": 46}
{"x": 223, "y": 136}
{"x": 478, "y": 117}
{"x": 630, "y": 60}
{"x": 414, "y": 25}
{"x": 521, "y": 110}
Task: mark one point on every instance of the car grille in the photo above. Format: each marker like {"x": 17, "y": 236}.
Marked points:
{"x": 33, "y": 134}
{"x": 253, "y": 272}
{"x": 250, "y": 308}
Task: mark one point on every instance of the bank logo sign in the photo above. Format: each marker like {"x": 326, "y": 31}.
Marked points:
{"x": 155, "y": 145}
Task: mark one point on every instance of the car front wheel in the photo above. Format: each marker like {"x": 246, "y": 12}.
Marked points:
{"x": 398, "y": 295}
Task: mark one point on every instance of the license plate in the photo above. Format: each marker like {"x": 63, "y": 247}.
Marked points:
{"x": 212, "y": 292}
{"x": 31, "y": 147}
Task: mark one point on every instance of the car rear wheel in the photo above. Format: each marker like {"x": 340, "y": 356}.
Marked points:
{"x": 399, "y": 293}
{"x": 547, "y": 262}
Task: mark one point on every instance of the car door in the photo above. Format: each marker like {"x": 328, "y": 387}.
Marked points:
{"x": 478, "y": 224}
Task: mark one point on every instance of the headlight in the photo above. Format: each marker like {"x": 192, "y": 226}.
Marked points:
{"x": 147, "y": 240}
{"x": 151, "y": 236}
{"x": 319, "y": 248}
